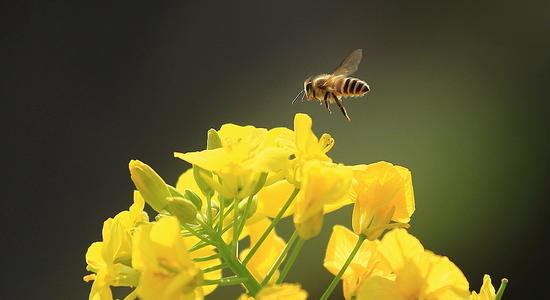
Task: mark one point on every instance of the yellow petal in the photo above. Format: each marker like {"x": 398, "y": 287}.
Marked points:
{"x": 287, "y": 291}
{"x": 307, "y": 145}
{"x": 267, "y": 253}
{"x": 233, "y": 135}
{"x": 116, "y": 241}
{"x": 271, "y": 159}
{"x": 100, "y": 288}
{"x": 443, "y": 279}
{"x": 94, "y": 259}
{"x": 167, "y": 271}
{"x": 165, "y": 232}
{"x": 341, "y": 243}
{"x": 186, "y": 181}
{"x": 379, "y": 288}
{"x": 405, "y": 206}
{"x": 421, "y": 274}
{"x": 487, "y": 291}
{"x": 323, "y": 183}
{"x": 398, "y": 246}
{"x": 272, "y": 198}
{"x": 210, "y": 160}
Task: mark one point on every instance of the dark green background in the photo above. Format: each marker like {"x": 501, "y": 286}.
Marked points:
{"x": 460, "y": 93}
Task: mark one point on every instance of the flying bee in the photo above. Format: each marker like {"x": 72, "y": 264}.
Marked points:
{"x": 333, "y": 87}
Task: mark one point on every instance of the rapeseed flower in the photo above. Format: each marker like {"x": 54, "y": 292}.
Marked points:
{"x": 367, "y": 261}
{"x": 167, "y": 271}
{"x": 419, "y": 273}
{"x": 382, "y": 193}
{"x": 306, "y": 147}
{"x": 111, "y": 258}
{"x": 246, "y": 154}
{"x": 323, "y": 183}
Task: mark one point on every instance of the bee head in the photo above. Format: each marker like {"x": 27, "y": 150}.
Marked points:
{"x": 308, "y": 88}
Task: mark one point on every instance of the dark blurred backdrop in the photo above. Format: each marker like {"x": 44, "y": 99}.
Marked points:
{"x": 460, "y": 93}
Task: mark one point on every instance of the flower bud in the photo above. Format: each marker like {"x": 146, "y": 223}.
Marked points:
{"x": 183, "y": 209}
{"x": 200, "y": 175}
{"x": 251, "y": 207}
{"x": 190, "y": 195}
{"x": 213, "y": 141}
{"x": 149, "y": 184}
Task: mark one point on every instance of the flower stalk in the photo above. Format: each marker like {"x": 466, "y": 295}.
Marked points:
{"x": 337, "y": 278}
{"x": 271, "y": 226}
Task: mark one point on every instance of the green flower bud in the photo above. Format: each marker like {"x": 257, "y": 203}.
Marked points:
{"x": 198, "y": 174}
{"x": 251, "y": 208}
{"x": 149, "y": 184}
{"x": 190, "y": 195}
{"x": 213, "y": 141}
{"x": 182, "y": 208}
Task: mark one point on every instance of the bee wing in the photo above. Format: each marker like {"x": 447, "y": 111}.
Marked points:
{"x": 349, "y": 65}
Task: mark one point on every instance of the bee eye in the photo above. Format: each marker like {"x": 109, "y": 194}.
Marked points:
{"x": 308, "y": 86}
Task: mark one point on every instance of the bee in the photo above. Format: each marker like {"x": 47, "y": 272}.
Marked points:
{"x": 333, "y": 87}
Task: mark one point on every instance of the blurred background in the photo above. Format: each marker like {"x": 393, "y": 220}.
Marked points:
{"x": 460, "y": 93}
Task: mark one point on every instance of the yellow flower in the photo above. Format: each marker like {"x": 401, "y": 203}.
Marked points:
{"x": 382, "y": 193}
{"x": 247, "y": 152}
{"x": 419, "y": 274}
{"x": 323, "y": 183}
{"x": 167, "y": 271}
{"x": 267, "y": 253}
{"x": 306, "y": 147}
{"x": 111, "y": 258}
{"x": 366, "y": 262}
{"x": 487, "y": 291}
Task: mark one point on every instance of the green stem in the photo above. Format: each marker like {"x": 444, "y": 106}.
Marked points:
{"x": 270, "y": 227}
{"x": 195, "y": 233}
{"x": 244, "y": 217}
{"x": 251, "y": 283}
{"x": 235, "y": 238}
{"x": 336, "y": 279}
{"x": 209, "y": 209}
{"x": 231, "y": 260}
{"x": 280, "y": 259}
{"x": 221, "y": 214}
{"x": 501, "y": 289}
{"x": 295, "y": 251}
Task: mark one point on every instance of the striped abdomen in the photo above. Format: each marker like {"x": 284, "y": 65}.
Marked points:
{"x": 351, "y": 87}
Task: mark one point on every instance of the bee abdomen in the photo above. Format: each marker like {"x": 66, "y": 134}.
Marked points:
{"x": 352, "y": 87}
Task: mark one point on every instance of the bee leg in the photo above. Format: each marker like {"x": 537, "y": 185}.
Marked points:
{"x": 342, "y": 108}
{"x": 326, "y": 102}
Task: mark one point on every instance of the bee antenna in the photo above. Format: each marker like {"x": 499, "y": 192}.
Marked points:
{"x": 297, "y": 96}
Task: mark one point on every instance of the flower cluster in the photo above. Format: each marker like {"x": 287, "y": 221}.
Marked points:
{"x": 237, "y": 190}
